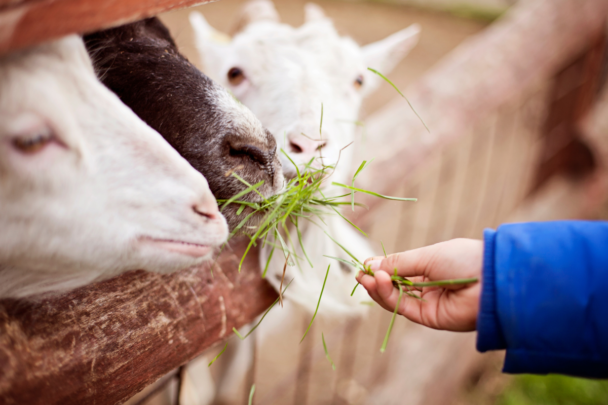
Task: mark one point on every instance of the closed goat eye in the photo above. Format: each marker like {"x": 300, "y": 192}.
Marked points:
{"x": 358, "y": 82}
{"x": 235, "y": 76}
{"x": 33, "y": 143}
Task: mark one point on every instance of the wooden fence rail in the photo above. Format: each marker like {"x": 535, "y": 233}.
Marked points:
{"x": 27, "y": 22}
{"x": 105, "y": 342}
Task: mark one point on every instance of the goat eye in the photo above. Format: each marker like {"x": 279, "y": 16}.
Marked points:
{"x": 358, "y": 82}
{"x": 235, "y": 76}
{"x": 33, "y": 143}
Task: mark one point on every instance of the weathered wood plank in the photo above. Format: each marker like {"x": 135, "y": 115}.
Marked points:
{"x": 28, "y": 22}
{"x": 481, "y": 75}
{"x": 103, "y": 343}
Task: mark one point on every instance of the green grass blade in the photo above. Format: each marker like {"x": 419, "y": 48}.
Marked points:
{"x": 390, "y": 326}
{"x": 440, "y": 283}
{"x": 300, "y": 241}
{"x": 342, "y": 247}
{"x": 263, "y": 316}
{"x": 251, "y": 392}
{"x": 292, "y": 162}
{"x": 352, "y": 194}
{"x": 241, "y": 224}
{"x": 383, "y": 249}
{"x": 333, "y": 366}
{"x": 219, "y": 354}
{"x": 242, "y": 193}
{"x": 261, "y": 229}
{"x": 318, "y": 303}
{"x": 354, "y": 289}
{"x": 321, "y": 123}
{"x": 236, "y": 332}
{"x": 386, "y": 197}
{"x": 283, "y": 245}
{"x": 245, "y": 182}
{"x": 348, "y": 220}
{"x": 341, "y": 260}
{"x": 402, "y": 95}
{"x": 268, "y": 262}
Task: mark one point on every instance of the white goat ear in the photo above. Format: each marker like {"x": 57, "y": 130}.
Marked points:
{"x": 257, "y": 10}
{"x": 385, "y": 54}
{"x": 313, "y": 12}
{"x": 211, "y": 44}
{"x": 204, "y": 31}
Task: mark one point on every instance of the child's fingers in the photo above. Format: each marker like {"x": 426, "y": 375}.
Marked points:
{"x": 409, "y": 263}
{"x": 409, "y": 307}
{"x": 369, "y": 283}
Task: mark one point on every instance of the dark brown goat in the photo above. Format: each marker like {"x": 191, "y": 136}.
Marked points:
{"x": 202, "y": 121}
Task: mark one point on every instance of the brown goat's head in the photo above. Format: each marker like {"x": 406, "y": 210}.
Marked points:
{"x": 202, "y": 121}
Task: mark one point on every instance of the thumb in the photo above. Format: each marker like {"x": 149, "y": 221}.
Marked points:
{"x": 410, "y": 263}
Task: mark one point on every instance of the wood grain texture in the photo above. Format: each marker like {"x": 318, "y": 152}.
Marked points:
{"x": 529, "y": 45}
{"x": 28, "y": 22}
{"x": 103, "y": 343}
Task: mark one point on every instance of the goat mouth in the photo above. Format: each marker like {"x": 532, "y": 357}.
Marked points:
{"x": 181, "y": 247}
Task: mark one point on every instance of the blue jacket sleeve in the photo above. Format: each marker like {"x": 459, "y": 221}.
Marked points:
{"x": 545, "y": 297}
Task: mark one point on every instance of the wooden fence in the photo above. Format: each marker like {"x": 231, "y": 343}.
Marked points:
{"x": 504, "y": 144}
{"x": 503, "y": 110}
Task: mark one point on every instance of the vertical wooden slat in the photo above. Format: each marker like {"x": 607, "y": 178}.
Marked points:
{"x": 457, "y": 196}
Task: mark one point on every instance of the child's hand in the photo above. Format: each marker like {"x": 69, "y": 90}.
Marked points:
{"x": 452, "y": 307}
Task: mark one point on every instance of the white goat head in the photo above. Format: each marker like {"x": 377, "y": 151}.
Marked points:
{"x": 284, "y": 75}
{"x": 87, "y": 189}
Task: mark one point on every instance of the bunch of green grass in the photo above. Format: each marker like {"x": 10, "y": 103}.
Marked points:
{"x": 301, "y": 200}
{"x": 404, "y": 286}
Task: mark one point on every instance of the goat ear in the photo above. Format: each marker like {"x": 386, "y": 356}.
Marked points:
{"x": 204, "y": 32}
{"x": 385, "y": 54}
{"x": 257, "y": 10}
{"x": 313, "y": 12}
{"x": 210, "y": 43}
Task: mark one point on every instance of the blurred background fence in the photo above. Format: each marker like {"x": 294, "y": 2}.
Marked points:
{"x": 518, "y": 121}
{"x": 505, "y": 104}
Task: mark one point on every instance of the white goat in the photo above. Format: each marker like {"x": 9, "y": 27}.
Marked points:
{"x": 285, "y": 75}
{"x": 87, "y": 189}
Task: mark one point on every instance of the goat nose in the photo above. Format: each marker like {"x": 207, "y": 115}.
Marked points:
{"x": 207, "y": 207}
{"x": 305, "y": 145}
{"x": 263, "y": 158}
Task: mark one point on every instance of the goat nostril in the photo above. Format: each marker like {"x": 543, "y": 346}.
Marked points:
{"x": 206, "y": 210}
{"x": 263, "y": 159}
{"x": 295, "y": 148}
{"x": 251, "y": 152}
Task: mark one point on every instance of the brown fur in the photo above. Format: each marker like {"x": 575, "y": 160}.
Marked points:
{"x": 141, "y": 64}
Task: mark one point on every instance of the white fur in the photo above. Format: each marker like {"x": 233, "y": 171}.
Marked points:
{"x": 98, "y": 199}
{"x": 289, "y": 73}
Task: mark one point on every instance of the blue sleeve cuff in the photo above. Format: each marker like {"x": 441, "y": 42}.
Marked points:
{"x": 489, "y": 332}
